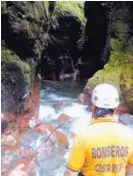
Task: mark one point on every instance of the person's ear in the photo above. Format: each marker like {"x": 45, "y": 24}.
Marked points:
{"x": 93, "y": 109}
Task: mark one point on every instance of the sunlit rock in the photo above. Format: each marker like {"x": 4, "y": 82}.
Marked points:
{"x": 33, "y": 122}
{"x": 8, "y": 116}
{"x": 80, "y": 98}
{"x": 10, "y": 142}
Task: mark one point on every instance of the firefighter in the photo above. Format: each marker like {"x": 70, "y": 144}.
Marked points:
{"x": 105, "y": 147}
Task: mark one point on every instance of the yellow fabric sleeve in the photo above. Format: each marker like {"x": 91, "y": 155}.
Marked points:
{"x": 130, "y": 160}
{"x": 77, "y": 154}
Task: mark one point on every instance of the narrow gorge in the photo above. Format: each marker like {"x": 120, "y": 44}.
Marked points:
{"x": 53, "y": 53}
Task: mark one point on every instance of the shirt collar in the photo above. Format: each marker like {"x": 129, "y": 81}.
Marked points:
{"x": 104, "y": 119}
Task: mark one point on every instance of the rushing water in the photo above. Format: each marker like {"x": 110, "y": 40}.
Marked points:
{"x": 50, "y": 161}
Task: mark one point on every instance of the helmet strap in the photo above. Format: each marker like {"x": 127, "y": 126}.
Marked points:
{"x": 102, "y": 112}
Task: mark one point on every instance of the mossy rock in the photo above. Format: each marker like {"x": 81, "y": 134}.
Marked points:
{"x": 71, "y": 7}
{"x": 118, "y": 71}
{"x": 7, "y": 56}
{"x": 25, "y": 23}
{"x": 27, "y": 27}
{"x": 126, "y": 82}
{"x": 38, "y": 10}
{"x": 108, "y": 75}
{"x": 3, "y": 7}
{"x": 46, "y": 7}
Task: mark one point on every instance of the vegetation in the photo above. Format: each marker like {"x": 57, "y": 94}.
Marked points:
{"x": 71, "y": 7}
{"x": 8, "y": 56}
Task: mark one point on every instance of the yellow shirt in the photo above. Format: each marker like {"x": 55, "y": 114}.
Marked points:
{"x": 103, "y": 149}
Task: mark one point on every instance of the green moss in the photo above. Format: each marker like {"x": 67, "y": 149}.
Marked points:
{"x": 107, "y": 75}
{"x": 27, "y": 27}
{"x": 10, "y": 57}
{"x": 46, "y": 7}
{"x": 112, "y": 70}
{"x": 30, "y": 28}
{"x": 28, "y": 77}
{"x": 127, "y": 82}
{"x": 33, "y": 11}
{"x": 118, "y": 59}
{"x": 115, "y": 67}
{"x": 116, "y": 44}
{"x": 118, "y": 71}
{"x": 38, "y": 9}
{"x": 71, "y": 7}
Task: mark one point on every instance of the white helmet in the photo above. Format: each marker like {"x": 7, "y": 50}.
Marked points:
{"x": 105, "y": 96}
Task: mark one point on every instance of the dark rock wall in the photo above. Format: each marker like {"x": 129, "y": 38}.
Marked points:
{"x": 24, "y": 27}
{"x": 65, "y": 42}
{"x": 12, "y": 86}
{"x": 95, "y": 38}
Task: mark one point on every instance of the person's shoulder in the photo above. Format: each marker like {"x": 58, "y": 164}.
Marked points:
{"x": 82, "y": 133}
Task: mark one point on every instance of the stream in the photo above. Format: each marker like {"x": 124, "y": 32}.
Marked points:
{"x": 56, "y": 99}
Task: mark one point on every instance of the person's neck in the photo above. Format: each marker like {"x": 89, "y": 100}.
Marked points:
{"x": 108, "y": 115}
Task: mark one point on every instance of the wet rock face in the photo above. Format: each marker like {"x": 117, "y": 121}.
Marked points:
{"x": 23, "y": 27}
{"x": 13, "y": 87}
{"x": 64, "y": 44}
{"x": 24, "y": 36}
{"x": 122, "y": 20}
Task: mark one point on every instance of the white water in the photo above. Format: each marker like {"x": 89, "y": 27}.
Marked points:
{"x": 48, "y": 114}
{"x": 50, "y": 160}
